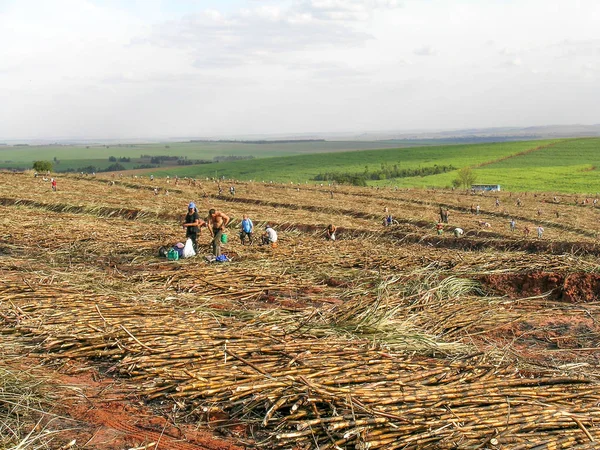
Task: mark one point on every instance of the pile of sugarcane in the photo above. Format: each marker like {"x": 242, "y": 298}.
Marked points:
{"x": 291, "y": 386}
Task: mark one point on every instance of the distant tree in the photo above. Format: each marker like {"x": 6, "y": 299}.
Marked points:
{"x": 114, "y": 168}
{"x": 465, "y": 177}
{"x": 42, "y": 166}
{"x": 112, "y": 159}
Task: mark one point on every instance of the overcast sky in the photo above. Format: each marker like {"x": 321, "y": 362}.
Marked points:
{"x": 151, "y": 68}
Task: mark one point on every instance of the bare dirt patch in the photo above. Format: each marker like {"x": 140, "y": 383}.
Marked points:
{"x": 573, "y": 288}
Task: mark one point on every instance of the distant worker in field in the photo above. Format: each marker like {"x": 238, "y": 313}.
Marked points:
{"x": 477, "y": 209}
{"x": 439, "y": 228}
{"x": 192, "y": 224}
{"x": 458, "y": 232}
{"x": 519, "y": 202}
{"x": 389, "y": 221}
{"x": 513, "y": 225}
{"x": 540, "y": 231}
{"x": 446, "y": 215}
{"x": 442, "y": 215}
{"x": 216, "y": 223}
{"x": 232, "y": 191}
{"x": 557, "y": 214}
{"x": 269, "y": 236}
{"x": 247, "y": 229}
{"x": 472, "y": 208}
{"x": 330, "y": 232}
{"x": 526, "y": 231}
{"x": 497, "y": 202}
{"x": 53, "y": 184}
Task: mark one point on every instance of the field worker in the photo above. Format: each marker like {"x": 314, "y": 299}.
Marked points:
{"x": 269, "y": 236}
{"x": 232, "y": 190}
{"x": 439, "y": 228}
{"x": 247, "y": 228}
{"x": 458, "y": 232}
{"x": 513, "y": 224}
{"x": 526, "y": 231}
{"x": 53, "y": 183}
{"x": 540, "y": 231}
{"x": 477, "y": 210}
{"x": 330, "y": 232}
{"x": 216, "y": 223}
{"x": 442, "y": 215}
{"x": 192, "y": 224}
{"x": 497, "y": 203}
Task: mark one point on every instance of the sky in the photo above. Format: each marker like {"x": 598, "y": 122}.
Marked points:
{"x": 204, "y": 68}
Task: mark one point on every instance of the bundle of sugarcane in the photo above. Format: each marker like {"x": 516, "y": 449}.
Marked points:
{"x": 309, "y": 390}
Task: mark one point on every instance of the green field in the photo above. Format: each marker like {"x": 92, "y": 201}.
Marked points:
{"x": 305, "y": 167}
{"x": 561, "y": 165}
{"x": 568, "y": 166}
{"x": 76, "y": 156}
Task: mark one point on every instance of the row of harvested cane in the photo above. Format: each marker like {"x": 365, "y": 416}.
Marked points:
{"x": 292, "y": 389}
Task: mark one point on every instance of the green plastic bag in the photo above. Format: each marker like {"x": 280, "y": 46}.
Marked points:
{"x": 172, "y": 255}
{"x": 223, "y": 238}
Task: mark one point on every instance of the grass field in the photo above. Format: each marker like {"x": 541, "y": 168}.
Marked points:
{"x": 565, "y": 165}
{"x": 568, "y": 166}
{"x": 305, "y": 167}
{"x": 81, "y": 155}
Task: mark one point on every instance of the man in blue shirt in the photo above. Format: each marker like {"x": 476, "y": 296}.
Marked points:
{"x": 247, "y": 228}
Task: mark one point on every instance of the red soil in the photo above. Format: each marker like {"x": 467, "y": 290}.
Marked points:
{"x": 107, "y": 417}
{"x": 572, "y": 288}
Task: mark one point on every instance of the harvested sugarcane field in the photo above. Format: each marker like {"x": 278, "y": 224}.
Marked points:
{"x": 436, "y": 319}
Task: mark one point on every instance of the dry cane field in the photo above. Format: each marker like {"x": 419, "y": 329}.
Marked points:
{"x": 390, "y": 337}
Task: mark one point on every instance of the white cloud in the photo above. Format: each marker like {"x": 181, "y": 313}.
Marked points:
{"x": 425, "y": 51}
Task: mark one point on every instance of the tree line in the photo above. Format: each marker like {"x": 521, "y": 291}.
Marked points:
{"x": 384, "y": 172}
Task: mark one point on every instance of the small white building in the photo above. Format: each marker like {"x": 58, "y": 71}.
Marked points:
{"x": 485, "y": 187}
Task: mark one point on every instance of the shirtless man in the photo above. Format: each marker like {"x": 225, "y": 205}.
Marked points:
{"x": 217, "y": 221}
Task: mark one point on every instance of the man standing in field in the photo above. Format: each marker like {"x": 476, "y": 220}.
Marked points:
{"x": 513, "y": 224}
{"x": 540, "y": 231}
{"x": 217, "y": 221}
{"x": 247, "y": 228}
{"x": 192, "y": 224}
